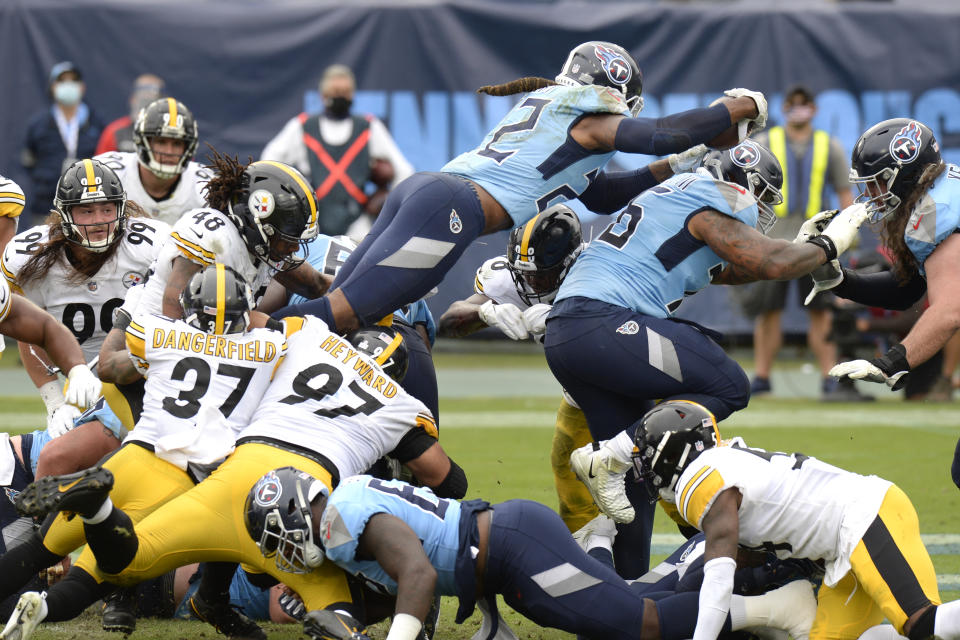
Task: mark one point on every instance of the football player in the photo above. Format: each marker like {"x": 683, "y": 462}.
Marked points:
{"x": 864, "y": 528}
{"x": 408, "y": 541}
{"x": 331, "y": 408}
{"x": 79, "y": 267}
{"x": 204, "y": 377}
{"x": 551, "y": 147}
{"x": 161, "y": 175}
{"x": 12, "y": 202}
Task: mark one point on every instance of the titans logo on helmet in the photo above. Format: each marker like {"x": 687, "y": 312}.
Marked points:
{"x": 905, "y": 146}
{"x": 616, "y": 66}
{"x": 267, "y": 492}
{"x": 746, "y": 154}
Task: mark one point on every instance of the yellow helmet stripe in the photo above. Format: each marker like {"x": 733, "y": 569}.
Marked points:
{"x": 221, "y": 297}
{"x": 91, "y": 176}
{"x": 307, "y": 191}
{"x": 525, "y": 242}
{"x": 388, "y": 351}
{"x": 172, "y": 107}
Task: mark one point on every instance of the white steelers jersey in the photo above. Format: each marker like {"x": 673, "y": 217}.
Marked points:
{"x": 793, "y": 505}
{"x": 187, "y": 195}
{"x": 494, "y": 281}
{"x": 328, "y": 398}
{"x": 11, "y": 198}
{"x": 201, "y": 387}
{"x": 85, "y": 306}
{"x": 204, "y": 236}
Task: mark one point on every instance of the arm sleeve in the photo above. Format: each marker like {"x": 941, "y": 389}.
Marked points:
{"x": 671, "y": 134}
{"x": 881, "y": 289}
{"x": 412, "y": 445}
{"x": 613, "y": 190}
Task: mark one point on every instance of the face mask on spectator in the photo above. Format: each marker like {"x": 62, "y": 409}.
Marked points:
{"x": 67, "y": 92}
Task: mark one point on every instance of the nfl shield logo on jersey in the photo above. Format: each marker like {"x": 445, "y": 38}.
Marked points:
{"x": 267, "y": 492}
{"x": 456, "y": 225}
{"x": 628, "y": 328}
{"x": 92, "y": 286}
{"x": 905, "y": 146}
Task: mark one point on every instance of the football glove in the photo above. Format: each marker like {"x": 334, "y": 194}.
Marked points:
{"x": 758, "y": 122}
{"x": 687, "y": 160}
{"x": 825, "y": 277}
{"x": 891, "y": 368}
{"x": 815, "y": 225}
{"x": 83, "y": 388}
{"x": 292, "y": 605}
{"x": 842, "y": 231}
{"x": 535, "y": 319}
{"x": 63, "y": 419}
{"x": 506, "y": 317}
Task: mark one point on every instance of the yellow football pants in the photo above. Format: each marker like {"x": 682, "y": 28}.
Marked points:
{"x": 891, "y": 576}
{"x": 571, "y": 432}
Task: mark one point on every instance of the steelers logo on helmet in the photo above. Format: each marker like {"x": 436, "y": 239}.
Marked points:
{"x": 746, "y": 154}
{"x": 261, "y": 203}
{"x": 616, "y": 66}
{"x": 268, "y": 490}
{"x": 905, "y": 146}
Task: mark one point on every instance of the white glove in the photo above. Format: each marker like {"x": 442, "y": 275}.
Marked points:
{"x": 688, "y": 160}
{"x": 815, "y": 225}
{"x": 62, "y": 420}
{"x": 761, "y": 120}
{"x": 535, "y": 319}
{"x": 84, "y": 387}
{"x": 506, "y": 317}
{"x": 825, "y": 277}
{"x": 844, "y": 229}
{"x": 865, "y": 370}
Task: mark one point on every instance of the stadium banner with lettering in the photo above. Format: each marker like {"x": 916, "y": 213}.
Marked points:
{"x": 246, "y": 68}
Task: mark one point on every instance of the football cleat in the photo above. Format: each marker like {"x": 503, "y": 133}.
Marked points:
{"x": 599, "y": 527}
{"x": 492, "y": 626}
{"x": 119, "y": 611}
{"x": 226, "y": 619}
{"x": 325, "y": 624}
{"x": 605, "y": 477}
{"x": 83, "y": 492}
{"x": 792, "y": 608}
{"x": 29, "y": 612}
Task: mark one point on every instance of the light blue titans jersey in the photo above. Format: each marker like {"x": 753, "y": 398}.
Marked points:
{"x": 436, "y": 521}
{"x": 327, "y": 255}
{"x": 647, "y": 260}
{"x": 935, "y": 217}
{"x": 529, "y": 162}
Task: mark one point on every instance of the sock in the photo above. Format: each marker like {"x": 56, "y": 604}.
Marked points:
{"x": 601, "y": 554}
{"x": 622, "y": 447}
{"x": 678, "y": 616}
{"x": 947, "y": 623}
{"x": 19, "y": 565}
{"x": 881, "y": 632}
{"x": 215, "y": 581}
{"x": 68, "y": 598}
{"x": 101, "y": 513}
{"x": 113, "y": 540}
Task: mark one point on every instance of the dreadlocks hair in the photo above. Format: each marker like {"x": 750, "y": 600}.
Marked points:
{"x": 904, "y": 263}
{"x": 86, "y": 264}
{"x": 520, "y": 85}
{"x": 227, "y": 175}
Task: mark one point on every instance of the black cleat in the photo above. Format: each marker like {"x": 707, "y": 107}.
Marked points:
{"x": 226, "y": 619}
{"x": 119, "y": 611}
{"x": 82, "y": 492}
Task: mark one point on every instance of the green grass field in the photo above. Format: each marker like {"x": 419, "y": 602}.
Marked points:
{"x": 503, "y": 444}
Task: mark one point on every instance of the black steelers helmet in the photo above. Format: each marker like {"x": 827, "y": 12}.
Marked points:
{"x": 386, "y": 346}
{"x": 671, "y": 436}
{"x": 753, "y": 166}
{"x": 540, "y": 253}
{"x": 217, "y": 300}
{"x": 85, "y": 182}
{"x": 608, "y": 65}
{"x": 275, "y": 201}
{"x": 279, "y": 519}
{"x": 165, "y": 118}
{"x": 887, "y": 160}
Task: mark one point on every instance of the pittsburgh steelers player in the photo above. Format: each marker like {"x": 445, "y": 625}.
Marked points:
{"x": 12, "y": 202}
{"x": 161, "y": 175}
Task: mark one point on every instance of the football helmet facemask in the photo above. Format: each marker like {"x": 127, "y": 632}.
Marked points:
{"x": 608, "y": 65}
{"x": 540, "y": 253}
{"x": 217, "y": 300}
{"x": 887, "y": 160}
{"x": 753, "y": 166}
{"x": 87, "y": 182}
{"x": 276, "y": 212}
{"x": 671, "y": 436}
{"x": 278, "y": 517}
{"x": 165, "y": 118}
{"x": 386, "y": 346}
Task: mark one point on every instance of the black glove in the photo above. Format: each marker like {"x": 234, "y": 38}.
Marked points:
{"x": 292, "y": 605}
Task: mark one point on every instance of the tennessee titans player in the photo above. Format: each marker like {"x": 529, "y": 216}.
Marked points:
{"x": 551, "y": 147}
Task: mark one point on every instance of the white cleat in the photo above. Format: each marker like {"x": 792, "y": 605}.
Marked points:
{"x": 492, "y": 627}
{"x": 794, "y": 609}
{"x": 592, "y": 534}
{"x": 29, "y": 612}
{"x": 605, "y": 477}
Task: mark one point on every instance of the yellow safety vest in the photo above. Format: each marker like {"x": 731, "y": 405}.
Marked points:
{"x": 818, "y": 170}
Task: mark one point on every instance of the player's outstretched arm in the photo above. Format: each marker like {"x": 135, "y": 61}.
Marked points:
{"x": 721, "y": 526}
{"x": 462, "y": 318}
{"x": 304, "y": 280}
{"x": 398, "y": 550}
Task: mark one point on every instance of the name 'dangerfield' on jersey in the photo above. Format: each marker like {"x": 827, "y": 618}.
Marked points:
{"x": 214, "y": 345}
{"x": 340, "y": 349}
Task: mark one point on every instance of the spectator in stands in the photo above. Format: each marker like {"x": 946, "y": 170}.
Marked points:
{"x": 57, "y": 136}
{"x": 813, "y": 162}
{"x": 118, "y": 135}
{"x": 341, "y": 153}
